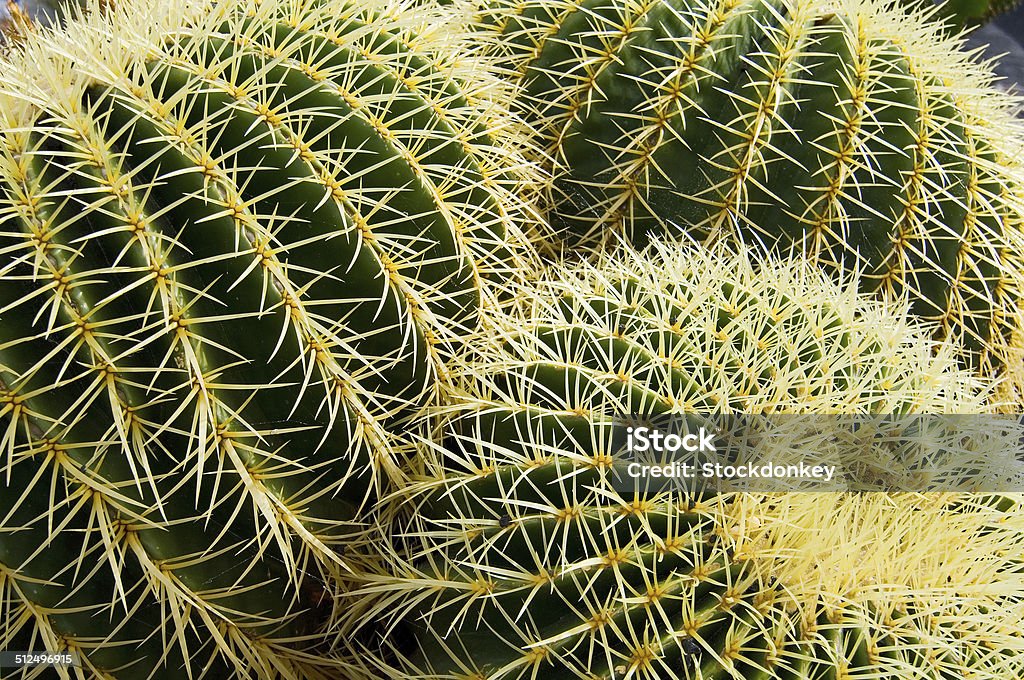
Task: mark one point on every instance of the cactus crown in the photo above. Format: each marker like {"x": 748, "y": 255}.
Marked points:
{"x": 747, "y": 336}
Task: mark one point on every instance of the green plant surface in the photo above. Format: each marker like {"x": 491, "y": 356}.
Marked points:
{"x": 237, "y": 241}
{"x": 526, "y": 557}
{"x": 853, "y": 131}
{"x": 963, "y": 15}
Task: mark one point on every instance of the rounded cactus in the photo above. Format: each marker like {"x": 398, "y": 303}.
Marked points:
{"x": 236, "y": 240}
{"x": 525, "y": 558}
{"x": 852, "y": 130}
{"x": 713, "y": 330}
{"x": 564, "y": 578}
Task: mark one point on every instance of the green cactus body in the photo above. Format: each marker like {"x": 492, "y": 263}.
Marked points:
{"x": 234, "y": 250}
{"x": 525, "y": 558}
{"x": 958, "y": 16}
{"x": 559, "y": 577}
{"x": 852, "y": 131}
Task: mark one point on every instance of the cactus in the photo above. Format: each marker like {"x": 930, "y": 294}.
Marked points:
{"x": 851, "y": 129}
{"x": 717, "y": 331}
{"x": 525, "y": 559}
{"x": 236, "y": 240}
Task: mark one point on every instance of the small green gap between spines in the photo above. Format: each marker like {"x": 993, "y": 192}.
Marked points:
{"x": 514, "y": 546}
{"x": 928, "y": 236}
{"x": 566, "y": 61}
{"x": 762, "y": 103}
{"x": 521, "y": 27}
{"x": 824, "y": 87}
{"x": 856, "y": 226}
{"x": 568, "y": 388}
{"x": 977, "y": 280}
{"x": 884, "y": 160}
{"x": 1006, "y": 318}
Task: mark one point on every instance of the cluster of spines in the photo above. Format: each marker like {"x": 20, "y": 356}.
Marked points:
{"x": 960, "y": 16}
{"x": 713, "y": 330}
{"x": 236, "y": 252}
{"x": 530, "y": 561}
{"x": 615, "y": 587}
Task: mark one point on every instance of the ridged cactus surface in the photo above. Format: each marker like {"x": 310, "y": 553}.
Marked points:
{"x": 851, "y": 130}
{"x": 709, "y": 331}
{"x": 965, "y": 15}
{"x": 235, "y": 242}
{"x": 527, "y": 558}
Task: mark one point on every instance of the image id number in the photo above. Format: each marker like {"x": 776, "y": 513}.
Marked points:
{"x": 27, "y": 659}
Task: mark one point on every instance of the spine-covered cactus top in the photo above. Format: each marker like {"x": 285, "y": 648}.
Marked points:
{"x": 525, "y": 555}
{"x": 851, "y": 129}
{"x": 235, "y": 242}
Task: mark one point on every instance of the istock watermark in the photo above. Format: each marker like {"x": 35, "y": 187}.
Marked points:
{"x": 799, "y": 452}
{"x": 643, "y": 439}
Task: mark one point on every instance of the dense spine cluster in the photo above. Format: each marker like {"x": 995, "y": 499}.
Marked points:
{"x": 711, "y": 331}
{"x": 527, "y": 557}
{"x": 531, "y": 565}
{"x": 846, "y": 130}
{"x": 233, "y": 259}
